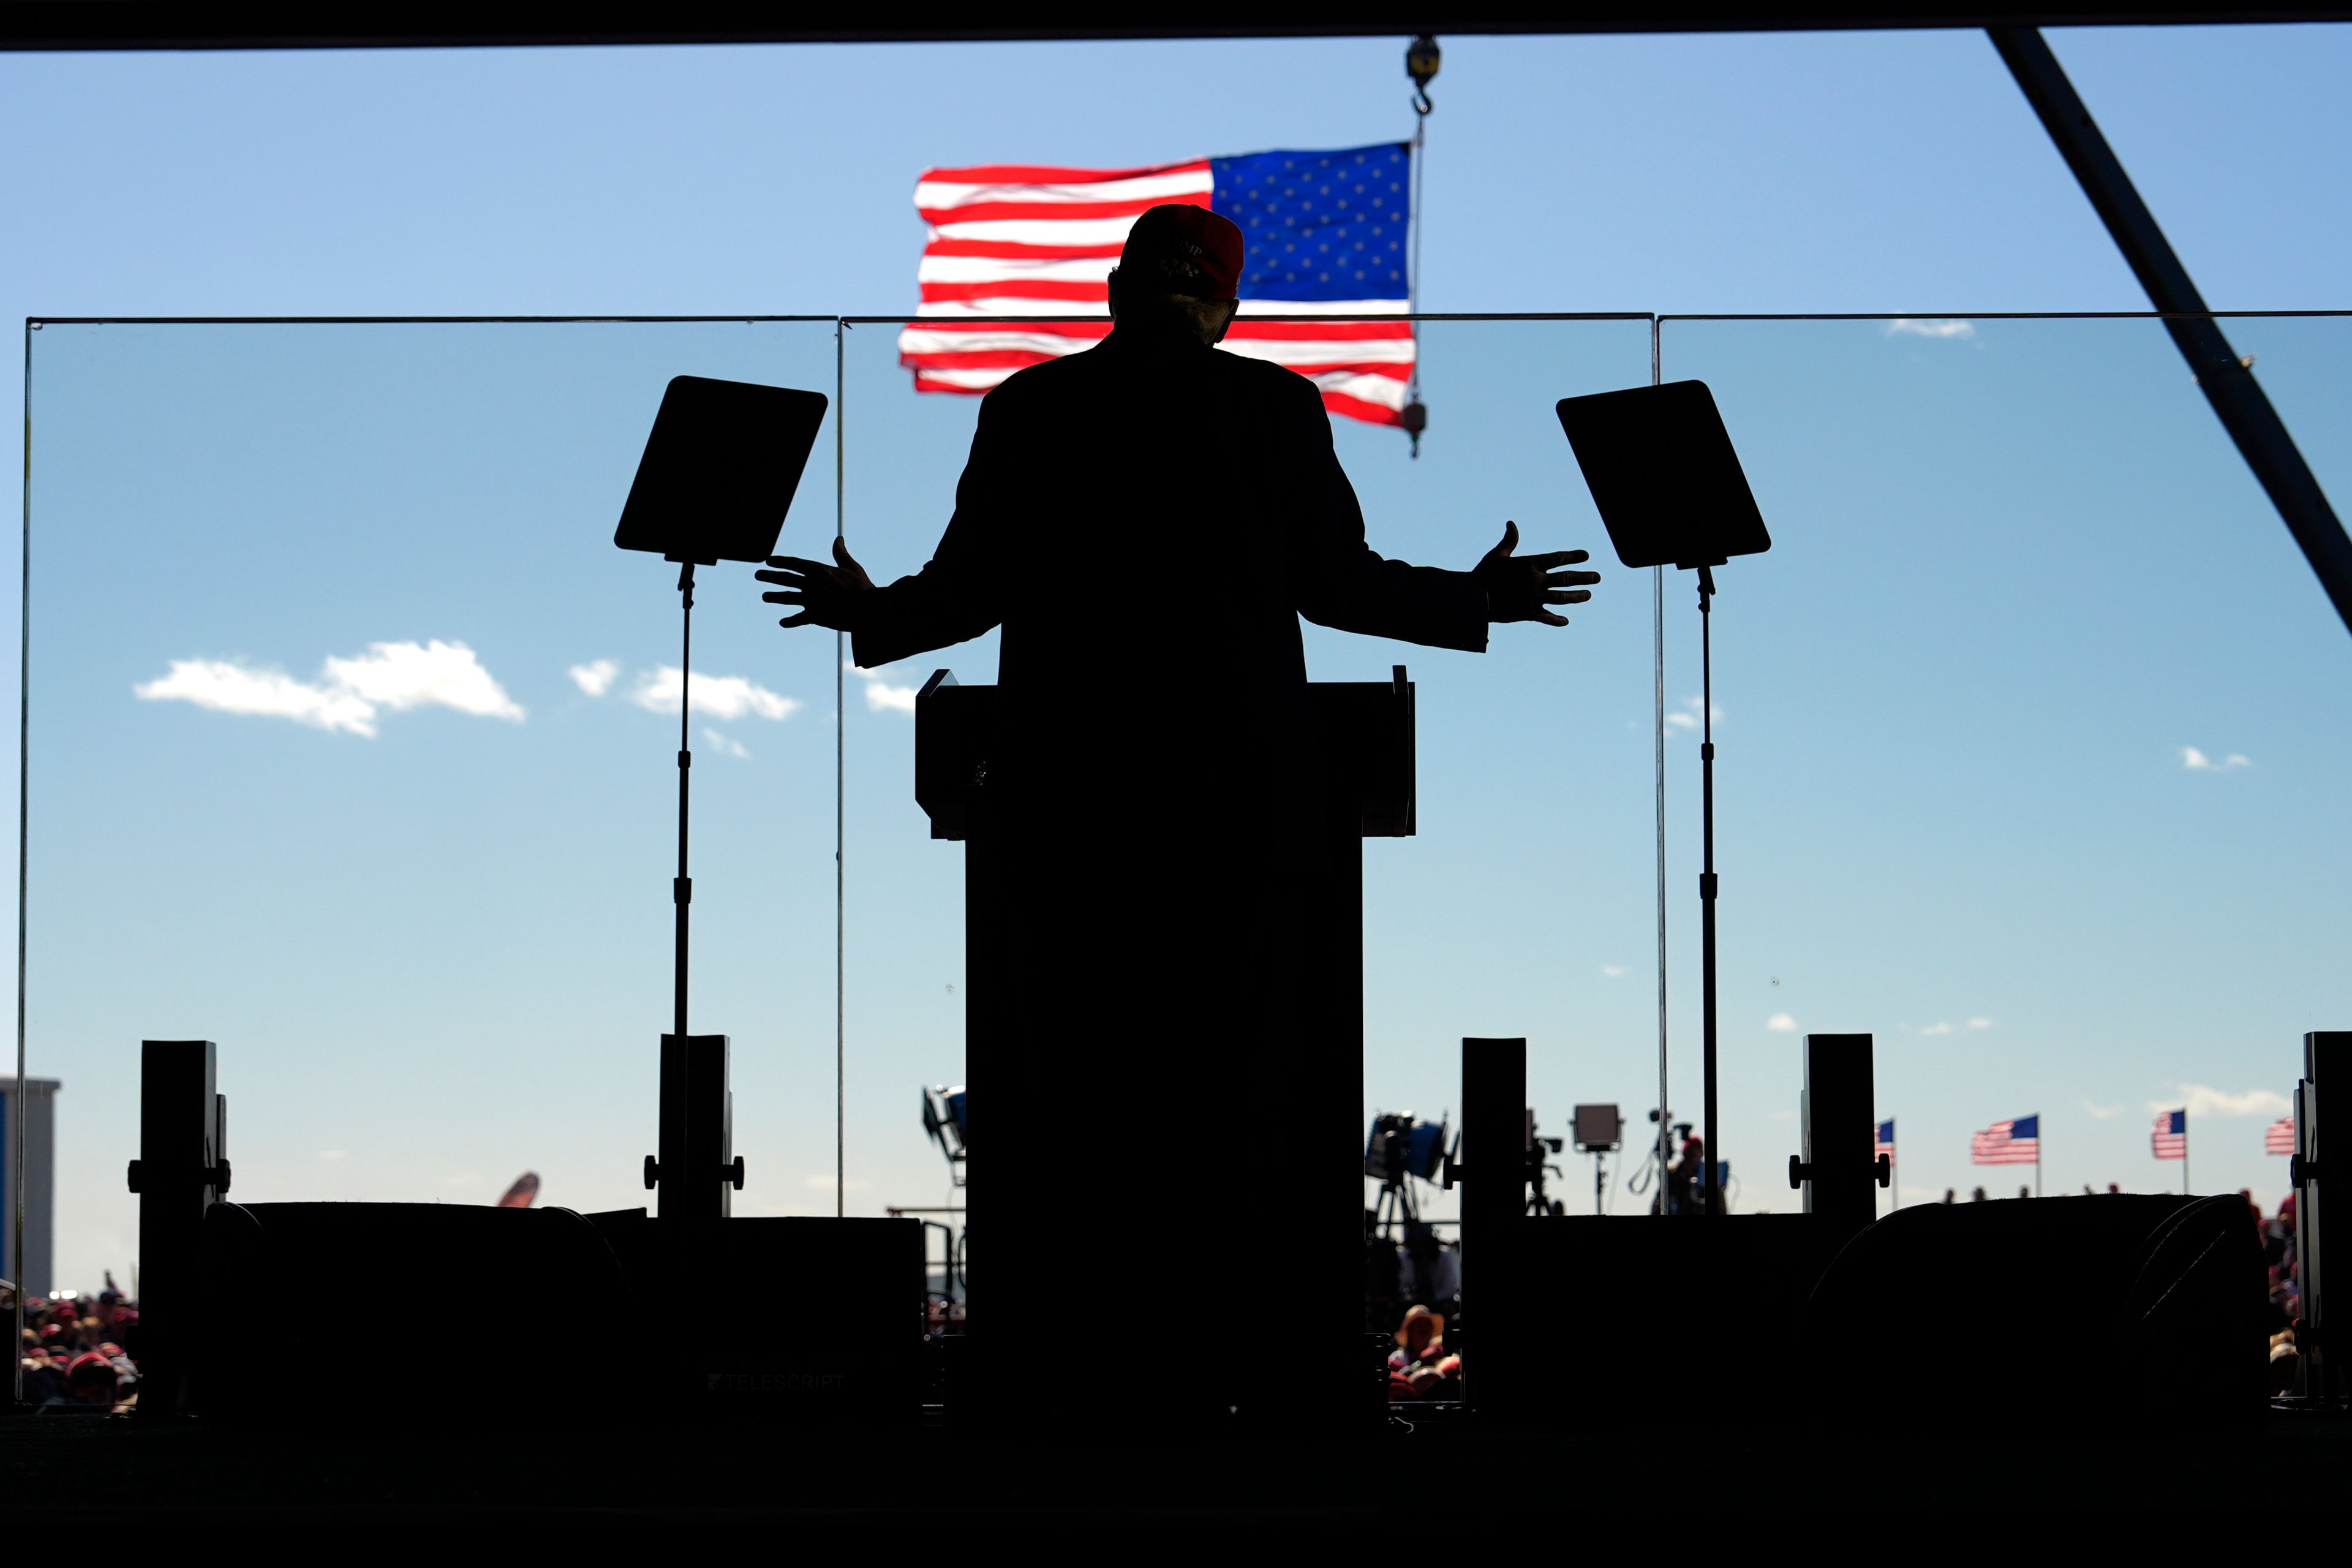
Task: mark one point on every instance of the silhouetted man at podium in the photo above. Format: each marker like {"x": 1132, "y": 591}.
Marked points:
{"x": 1148, "y": 521}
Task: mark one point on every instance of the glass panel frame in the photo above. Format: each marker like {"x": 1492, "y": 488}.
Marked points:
{"x": 2249, "y": 566}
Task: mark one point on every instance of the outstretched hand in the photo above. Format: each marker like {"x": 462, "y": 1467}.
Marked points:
{"x": 826, "y": 595}
{"x": 1519, "y": 586}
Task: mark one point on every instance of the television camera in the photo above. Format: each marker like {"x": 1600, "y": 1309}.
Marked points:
{"x": 1676, "y": 1194}
{"x": 1402, "y": 1258}
{"x": 1538, "y": 1203}
{"x": 943, "y": 1121}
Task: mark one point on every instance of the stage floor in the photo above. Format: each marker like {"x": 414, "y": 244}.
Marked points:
{"x": 940, "y": 1484}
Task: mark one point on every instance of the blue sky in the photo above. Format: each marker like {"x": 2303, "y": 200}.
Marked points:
{"x": 2020, "y": 576}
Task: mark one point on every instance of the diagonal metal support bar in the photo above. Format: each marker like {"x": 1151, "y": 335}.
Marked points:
{"x": 2229, "y": 387}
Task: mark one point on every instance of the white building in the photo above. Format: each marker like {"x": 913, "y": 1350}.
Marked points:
{"x": 40, "y": 1159}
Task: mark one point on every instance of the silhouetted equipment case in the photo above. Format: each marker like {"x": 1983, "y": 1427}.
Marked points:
{"x": 1938, "y": 1317}
{"x": 696, "y": 1161}
{"x": 1664, "y": 475}
{"x": 182, "y": 1171}
{"x": 776, "y": 1321}
{"x": 2326, "y": 1378}
{"x": 719, "y": 471}
{"x": 1837, "y": 1170}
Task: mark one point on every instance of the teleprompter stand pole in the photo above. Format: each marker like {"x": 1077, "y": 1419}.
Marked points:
{"x": 1711, "y": 1166}
{"x": 682, "y": 887}
{"x": 718, "y": 476}
{"x": 1669, "y": 487}
{"x": 1671, "y": 490}
{"x": 697, "y": 1167}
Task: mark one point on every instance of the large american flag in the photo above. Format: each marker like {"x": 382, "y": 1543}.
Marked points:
{"x": 2170, "y": 1138}
{"x": 2278, "y": 1138}
{"x": 2017, "y": 1141}
{"x": 1326, "y": 233}
{"x": 1885, "y": 1140}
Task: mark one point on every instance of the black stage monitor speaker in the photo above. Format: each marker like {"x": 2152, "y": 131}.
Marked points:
{"x": 719, "y": 471}
{"x": 1664, "y": 475}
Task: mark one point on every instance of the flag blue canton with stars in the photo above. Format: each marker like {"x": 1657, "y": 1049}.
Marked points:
{"x": 1320, "y": 225}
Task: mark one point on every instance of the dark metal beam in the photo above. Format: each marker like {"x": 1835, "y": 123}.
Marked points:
{"x": 2228, "y": 384}
{"x": 373, "y": 24}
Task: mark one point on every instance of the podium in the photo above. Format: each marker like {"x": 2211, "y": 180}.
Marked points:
{"x": 1266, "y": 1146}
{"x": 1364, "y": 737}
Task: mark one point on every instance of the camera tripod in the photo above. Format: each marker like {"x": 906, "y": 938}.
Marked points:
{"x": 1537, "y": 1204}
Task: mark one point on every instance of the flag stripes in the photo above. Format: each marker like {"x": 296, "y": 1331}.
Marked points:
{"x": 1325, "y": 233}
{"x": 2278, "y": 1138}
{"x": 2017, "y": 1141}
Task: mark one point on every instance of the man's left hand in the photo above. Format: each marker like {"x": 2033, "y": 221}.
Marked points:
{"x": 1519, "y": 586}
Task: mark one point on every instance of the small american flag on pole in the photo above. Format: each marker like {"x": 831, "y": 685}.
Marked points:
{"x": 1885, "y": 1144}
{"x": 2278, "y": 1138}
{"x": 1327, "y": 234}
{"x": 2169, "y": 1141}
{"x": 2017, "y": 1141}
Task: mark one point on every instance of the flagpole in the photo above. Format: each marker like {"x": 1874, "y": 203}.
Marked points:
{"x": 2184, "y": 1154}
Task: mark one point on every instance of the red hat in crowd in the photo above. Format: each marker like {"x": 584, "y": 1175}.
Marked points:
{"x": 1174, "y": 231}
{"x": 87, "y": 1367}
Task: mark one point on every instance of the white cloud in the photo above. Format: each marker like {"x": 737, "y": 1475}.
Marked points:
{"x": 719, "y": 743}
{"x": 398, "y": 675}
{"x": 1783, "y": 1115}
{"x": 881, "y": 697}
{"x": 2196, "y": 760}
{"x": 1781, "y": 1023}
{"x": 227, "y": 687}
{"x": 1936, "y": 1029}
{"x": 1687, "y": 717}
{"x": 595, "y": 678}
{"x": 1912, "y": 327}
{"x": 1613, "y": 971}
{"x": 2200, "y": 1100}
{"x": 2101, "y": 1112}
{"x": 720, "y": 696}
{"x": 331, "y": 1154}
{"x": 1980, "y": 1023}
{"x": 348, "y": 694}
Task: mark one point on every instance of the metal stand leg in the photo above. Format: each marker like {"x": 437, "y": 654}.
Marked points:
{"x": 1712, "y": 1165}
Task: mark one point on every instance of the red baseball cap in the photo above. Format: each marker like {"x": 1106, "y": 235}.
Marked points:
{"x": 1176, "y": 232}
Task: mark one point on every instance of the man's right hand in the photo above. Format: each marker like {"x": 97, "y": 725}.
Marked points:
{"x": 826, "y": 595}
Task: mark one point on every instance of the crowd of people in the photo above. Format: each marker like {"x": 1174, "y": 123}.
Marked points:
{"x": 1420, "y": 1367}
{"x": 2279, "y": 1238}
{"x": 79, "y": 1353}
